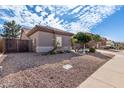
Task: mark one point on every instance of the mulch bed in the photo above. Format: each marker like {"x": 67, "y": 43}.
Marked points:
{"x": 54, "y": 75}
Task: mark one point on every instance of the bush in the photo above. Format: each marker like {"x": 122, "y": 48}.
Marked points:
{"x": 53, "y": 53}
{"x": 92, "y": 50}
{"x": 60, "y": 52}
{"x": 67, "y": 51}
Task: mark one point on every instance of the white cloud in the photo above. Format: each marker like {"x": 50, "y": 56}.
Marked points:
{"x": 77, "y": 9}
{"x": 1, "y": 26}
{"x": 95, "y": 15}
{"x": 44, "y": 13}
{"x": 86, "y": 16}
{"x": 38, "y": 9}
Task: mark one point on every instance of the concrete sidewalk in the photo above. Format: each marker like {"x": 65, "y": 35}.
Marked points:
{"x": 110, "y": 75}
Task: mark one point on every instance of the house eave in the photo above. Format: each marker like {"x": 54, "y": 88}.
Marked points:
{"x": 48, "y": 30}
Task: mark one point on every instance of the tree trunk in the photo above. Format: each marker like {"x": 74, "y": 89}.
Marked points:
{"x": 84, "y": 49}
{"x": 97, "y": 45}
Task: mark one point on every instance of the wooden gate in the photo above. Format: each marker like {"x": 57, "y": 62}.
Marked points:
{"x": 23, "y": 46}
{"x": 17, "y": 45}
{"x": 1, "y": 45}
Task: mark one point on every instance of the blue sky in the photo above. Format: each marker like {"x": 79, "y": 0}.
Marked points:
{"x": 100, "y": 19}
{"x": 112, "y": 27}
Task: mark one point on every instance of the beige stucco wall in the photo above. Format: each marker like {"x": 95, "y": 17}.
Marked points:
{"x": 34, "y": 36}
{"x": 66, "y": 40}
{"x": 34, "y": 39}
{"x": 45, "y": 41}
{"x": 24, "y": 37}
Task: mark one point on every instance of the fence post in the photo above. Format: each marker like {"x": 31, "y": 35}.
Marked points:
{"x": 4, "y": 46}
{"x": 17, "y": 45}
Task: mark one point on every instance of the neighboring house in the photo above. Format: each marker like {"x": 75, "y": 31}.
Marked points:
{"x": 109, "y": 43}
{"x": 92, "y": 44}
{"x": 100, "y": 44}
{"x": 24, "y": 31}
{"x": 44, "y": 38}
{"x": 119, "y": 45}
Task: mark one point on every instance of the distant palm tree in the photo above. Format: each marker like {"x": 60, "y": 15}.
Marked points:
{"x": 11, "y": 30}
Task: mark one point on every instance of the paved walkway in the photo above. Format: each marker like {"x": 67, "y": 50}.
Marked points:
{"x": 110, "y": 75}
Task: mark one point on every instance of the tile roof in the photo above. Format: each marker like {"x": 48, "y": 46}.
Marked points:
{"x": 49, "y": 30}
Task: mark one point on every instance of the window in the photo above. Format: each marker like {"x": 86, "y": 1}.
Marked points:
{"x": 59, "y": 41}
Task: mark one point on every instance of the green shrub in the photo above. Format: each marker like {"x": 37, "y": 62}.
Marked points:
{"x": 53, "y": 53}
{"x": 67, "y": 51}
{"x": 60, "y": 52}
{"x": 92, "y": 50}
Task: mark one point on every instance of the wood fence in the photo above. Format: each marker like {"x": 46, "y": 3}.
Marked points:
{"x": 16, "y": 45}
{"x": 1, "y": 45}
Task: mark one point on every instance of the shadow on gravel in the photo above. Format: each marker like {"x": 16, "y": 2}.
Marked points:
{"x": 101, "y": 56}
{"x": 15, "y": 62}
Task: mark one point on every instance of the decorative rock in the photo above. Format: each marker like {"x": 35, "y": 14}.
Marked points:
{"x": 67, "y": 66}
{"x": 1, "y": 68}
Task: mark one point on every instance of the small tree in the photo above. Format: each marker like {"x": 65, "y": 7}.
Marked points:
{"x": 11, "y": 30}
{"x": 82, "y": 39}
{"x": 73, "y": 42}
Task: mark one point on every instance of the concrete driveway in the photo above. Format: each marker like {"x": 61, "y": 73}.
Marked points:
{"x": 110, "y": 75}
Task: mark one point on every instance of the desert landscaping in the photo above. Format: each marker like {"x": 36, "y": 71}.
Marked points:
{"x": 36, "y": 70}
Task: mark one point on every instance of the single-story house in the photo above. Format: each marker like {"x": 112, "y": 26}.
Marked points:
{"x": 110, "y": 43}
{"x": 100, "y": 44}
{"x": 45, "y": 38}
{"x": 24, "y": 31}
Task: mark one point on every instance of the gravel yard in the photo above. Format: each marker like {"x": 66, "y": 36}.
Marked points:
{"x": 15, "y": 62}
{"x": 35, "y": 70}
